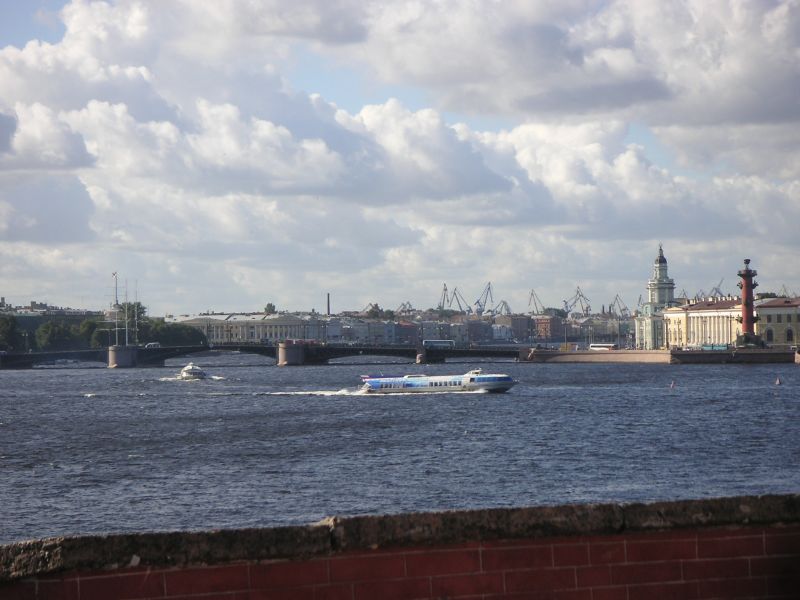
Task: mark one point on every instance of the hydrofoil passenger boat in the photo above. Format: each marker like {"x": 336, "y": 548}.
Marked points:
{"x": 473, "y": 381}
{"x": 192, "y": 371}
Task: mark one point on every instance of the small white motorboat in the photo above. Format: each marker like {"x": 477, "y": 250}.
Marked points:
{"x": 192, "y": 371}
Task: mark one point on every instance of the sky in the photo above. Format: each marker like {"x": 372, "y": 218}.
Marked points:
{"x": 223, "y": 155}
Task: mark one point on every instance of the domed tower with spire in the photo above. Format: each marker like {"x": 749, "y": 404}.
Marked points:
{"x": 660, "y": 289}
{"x": 660, "y": 295}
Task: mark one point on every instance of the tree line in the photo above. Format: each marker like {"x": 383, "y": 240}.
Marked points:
{"x": 61, "y": 334}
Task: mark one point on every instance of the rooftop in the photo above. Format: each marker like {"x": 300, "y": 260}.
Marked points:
{"x": 780, "y": 303}
{"x": 725, "y": 303}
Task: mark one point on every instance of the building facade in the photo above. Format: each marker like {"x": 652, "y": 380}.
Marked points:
{"x": 717, "y": 322}
{"x": 649, "y": 323}
{"x": 254, "y": 328}
{"x": 778, "y": 321}
{"x": 707, "y": 323}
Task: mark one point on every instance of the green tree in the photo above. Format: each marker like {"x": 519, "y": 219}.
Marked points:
{"x": 86, "y": 331}
{"x": 270, "y": 308}
{"x": 134, "y": 314}
{"x": 175, "y": 334}
{"x": 102, "y": 337}
{"x": 9, "y": 336}
{"x": 56, "y": 335}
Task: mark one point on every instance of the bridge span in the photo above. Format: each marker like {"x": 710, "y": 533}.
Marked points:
{"x": 285, "y": 353}
{"x": 290, "y": 354}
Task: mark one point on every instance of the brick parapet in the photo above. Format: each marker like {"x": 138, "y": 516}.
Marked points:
{"x": 720, "y": 548}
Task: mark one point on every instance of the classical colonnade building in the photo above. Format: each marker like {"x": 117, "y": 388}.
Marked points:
{"x": 710, "y": 322}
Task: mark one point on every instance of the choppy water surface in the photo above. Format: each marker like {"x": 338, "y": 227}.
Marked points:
{"x": 93, "y": 450}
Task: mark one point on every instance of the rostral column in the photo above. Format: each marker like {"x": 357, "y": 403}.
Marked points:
{"x": 747, "y": 285}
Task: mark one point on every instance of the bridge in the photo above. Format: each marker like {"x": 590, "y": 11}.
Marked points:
{"x": 285, "y": 353}
{"x": 302, "y": 353}
{"x": 120, "y": 356}
{"x": 26, "y": 360}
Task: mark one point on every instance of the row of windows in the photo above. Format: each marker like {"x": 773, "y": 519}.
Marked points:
{"x": 396, "y": 385}
{"x": 778, "y": 318}
{"x": 771, "y": 336}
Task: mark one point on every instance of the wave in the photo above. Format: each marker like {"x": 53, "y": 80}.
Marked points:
{"x": 342, "y": 392}
{"x": 179, "y": 378}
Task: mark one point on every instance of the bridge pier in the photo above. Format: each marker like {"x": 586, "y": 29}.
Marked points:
{"x": 426, "y": 357}
{"x": 291, "y": 354}
{"x": 122, "y": 357}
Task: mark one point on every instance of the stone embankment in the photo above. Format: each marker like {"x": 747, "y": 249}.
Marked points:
{"x": 674, "y": 356}
{"x": 719, "y": 548}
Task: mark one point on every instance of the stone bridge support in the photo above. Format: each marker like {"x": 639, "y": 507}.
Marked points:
{"x": 429, "y": 357}
{"x": 291, "y": 354}
{"x": 122, "y": 357}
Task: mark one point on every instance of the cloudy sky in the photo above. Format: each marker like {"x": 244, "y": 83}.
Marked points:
{"x": 221, "y": 155}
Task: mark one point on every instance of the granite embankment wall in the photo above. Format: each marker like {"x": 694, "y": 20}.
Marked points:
{"x": 744, "y": 547}
{"x": 674, "y": 356}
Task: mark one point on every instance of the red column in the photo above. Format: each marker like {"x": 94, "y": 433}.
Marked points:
{"x": 747, "y": 285}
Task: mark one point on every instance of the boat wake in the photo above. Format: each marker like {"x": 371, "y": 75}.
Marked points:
{"x": 179, "y": 378}
{"x": 363, "y": 392}
{"x": 342, "y": 392}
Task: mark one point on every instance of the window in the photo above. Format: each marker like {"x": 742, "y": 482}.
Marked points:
{"x": 769, "y": 318}
{"x": 770, "y": 335}
{"x": 789, "y": 318}
{"x": 789, "y": 335}
{"x": 780, "y": 318}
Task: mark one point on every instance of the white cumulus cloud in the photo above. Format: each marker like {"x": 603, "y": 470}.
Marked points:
{"x": 170, "y": 138}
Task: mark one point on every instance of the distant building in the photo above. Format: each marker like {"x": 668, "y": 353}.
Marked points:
{"x": 778, "y": 321}
{"x": 660, "y": 296}
{"x": 242, "y": 328}
{"x": 479, "y": 331}
{"x": 549, "y": 328}
{"x": 521, "y": 326}
{"x": 407, "y": 333}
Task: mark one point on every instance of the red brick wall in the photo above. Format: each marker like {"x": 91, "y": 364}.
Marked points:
{"x": 733, "y": 562}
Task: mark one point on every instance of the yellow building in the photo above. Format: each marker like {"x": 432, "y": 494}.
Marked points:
{"x": 710, "y": 322}
{"x": 779, "y": 321}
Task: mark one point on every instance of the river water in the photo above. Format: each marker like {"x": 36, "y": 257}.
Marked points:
{"x": 93, "y": 450}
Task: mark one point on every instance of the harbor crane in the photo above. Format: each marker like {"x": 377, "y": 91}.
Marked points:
{"x": 538, "y": 307}
{"x": 486, "y": 296}
{"x": 618, "y": 307}
{"x": 445, "y": 300}
{"x": 580, "y": 299}
{"x": 716, "y": 291}
{"x": 457, "y": 297}
{"x": 371, "y": 307}
{"x": 448, "y": 297}
{"x": 405, "y": 309}
{"x": 502, "y": 308}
